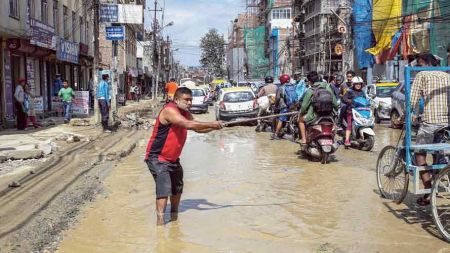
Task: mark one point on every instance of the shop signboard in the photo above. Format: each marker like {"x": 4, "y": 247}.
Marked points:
{"x": 42, "y": 35}
{"x": 30, "y": 74}
{"x": 80, "y": 103}
{"x": 109, "y": 13}
{"x": 8, "y": 85}
{"x": 68, "y": 51}
{"x": 57, "y": 104}
{"x": 39, "y": 104}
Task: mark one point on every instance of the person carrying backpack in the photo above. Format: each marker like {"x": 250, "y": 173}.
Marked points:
{"x": 286, "y": 99}
{"x": 318, "y": 101}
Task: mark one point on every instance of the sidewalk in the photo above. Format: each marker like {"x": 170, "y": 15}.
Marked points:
{"x": 36, "y": 143}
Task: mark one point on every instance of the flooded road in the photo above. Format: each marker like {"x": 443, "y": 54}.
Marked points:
{"x": 246, "y": 193}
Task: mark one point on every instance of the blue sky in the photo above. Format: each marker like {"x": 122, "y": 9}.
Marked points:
{"x": 192, "y": 20}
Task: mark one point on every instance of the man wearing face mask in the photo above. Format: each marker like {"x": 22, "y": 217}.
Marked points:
{"x": 165, "y": 146}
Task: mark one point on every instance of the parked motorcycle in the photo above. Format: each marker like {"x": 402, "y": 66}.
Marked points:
{"x": 363, "y": 136}
{"x": 320, "y": 141}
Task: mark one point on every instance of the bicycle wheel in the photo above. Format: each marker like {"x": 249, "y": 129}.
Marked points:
{"x": 440, "y": 203}
{"x": 392, "y": 178}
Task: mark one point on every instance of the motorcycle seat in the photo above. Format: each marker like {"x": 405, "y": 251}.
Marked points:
{"x": 328, "y": 119}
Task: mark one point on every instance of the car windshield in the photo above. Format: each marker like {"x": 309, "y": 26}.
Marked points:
{"x": 385, "y": 91}
{"x": 240, "y": 96}
{"x": 198, "y": 93}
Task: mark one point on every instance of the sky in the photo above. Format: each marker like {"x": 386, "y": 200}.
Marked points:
{"x": 192, "y": 19}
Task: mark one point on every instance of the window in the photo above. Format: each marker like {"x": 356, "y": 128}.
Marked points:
{"x": 74, "y": 25}
{"x": 13, "y": 8}
{"x": 31, "y": 8}
{"x": 55, "y": 16}
{"x": 65, "y": 26}
{"x": 44, "y": 12}
{"x": 81, "y": 30}
{"x": 281, "y": 13}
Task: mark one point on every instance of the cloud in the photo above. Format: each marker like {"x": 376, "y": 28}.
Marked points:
{"x": 193, "y": 18}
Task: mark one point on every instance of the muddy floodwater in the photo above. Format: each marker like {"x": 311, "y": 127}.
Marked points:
{"x": 246, "y": 193}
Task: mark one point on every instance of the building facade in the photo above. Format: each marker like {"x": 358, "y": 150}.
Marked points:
{"x": 40, "y": 39}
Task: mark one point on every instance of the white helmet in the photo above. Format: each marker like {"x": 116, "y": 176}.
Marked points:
{"x": 357, "y": 79}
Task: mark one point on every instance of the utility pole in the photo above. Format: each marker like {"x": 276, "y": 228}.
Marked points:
{"x": 344, "y": 17}
{"x": 155, "y": 53}
{"x": 96, "y": 59}
{"x": 113, "y": 79}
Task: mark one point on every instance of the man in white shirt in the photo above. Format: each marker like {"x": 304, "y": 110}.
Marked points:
{"x": 19, "y": 96}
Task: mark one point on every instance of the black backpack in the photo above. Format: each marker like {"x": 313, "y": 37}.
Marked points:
{"x": 322, "y": 101}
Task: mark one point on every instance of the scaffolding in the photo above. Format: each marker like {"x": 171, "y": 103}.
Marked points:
{"x": 257, "y": 64}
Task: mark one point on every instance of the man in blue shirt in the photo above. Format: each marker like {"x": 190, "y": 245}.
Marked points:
{"x": 103, "y": 96}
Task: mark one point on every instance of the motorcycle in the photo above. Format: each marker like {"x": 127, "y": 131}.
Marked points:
{"x": 320, "y": 141}
{"x": 363, "y": 121}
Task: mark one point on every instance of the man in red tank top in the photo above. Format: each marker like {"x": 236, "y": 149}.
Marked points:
{"x": 165, "y": 146}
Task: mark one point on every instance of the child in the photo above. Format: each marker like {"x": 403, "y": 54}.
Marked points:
{"x": 30, "y": 108}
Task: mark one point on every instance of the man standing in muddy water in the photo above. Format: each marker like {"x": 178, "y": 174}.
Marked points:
{"x": 165, "y": 146}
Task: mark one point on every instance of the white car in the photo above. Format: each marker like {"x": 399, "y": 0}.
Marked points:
{"x": 238, "y": 102}
{"x": 381, "y": 99}
{"x": 199, "y": 100}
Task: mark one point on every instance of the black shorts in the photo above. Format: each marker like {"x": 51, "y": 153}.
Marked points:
{"x": 168, "y": 177}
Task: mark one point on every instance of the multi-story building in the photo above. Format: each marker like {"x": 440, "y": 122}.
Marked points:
{"x": 127, "y": 69}
{"x": 321, "y": 35}
{"x": 40, "y": 39}
{"x": 277, "y": 16}
{"x": 235, "y": 49}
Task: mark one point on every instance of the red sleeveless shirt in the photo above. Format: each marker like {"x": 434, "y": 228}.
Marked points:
{"x": 167, "y": 141}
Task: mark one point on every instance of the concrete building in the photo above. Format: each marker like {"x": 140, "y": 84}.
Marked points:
{"x": 235, "y": 50}
{"x": 38, "y": 40}
{"x": 322, "y": 37}
{"x": 277, "y": 16}
{"x": 127, "y": 69}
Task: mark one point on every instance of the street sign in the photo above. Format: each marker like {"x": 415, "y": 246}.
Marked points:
{"x": 109, "y": 13}
{"x": 115, "y": 32}
{"x": 342, "y": 29}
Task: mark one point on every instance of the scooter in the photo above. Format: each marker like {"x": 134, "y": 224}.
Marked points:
{"x": 362, "y": 136}
{"x": 320, "y": 142}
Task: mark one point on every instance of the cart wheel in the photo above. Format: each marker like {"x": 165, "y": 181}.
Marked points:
{"x": 392, "y": 177}
{"x": 440, "y": 203}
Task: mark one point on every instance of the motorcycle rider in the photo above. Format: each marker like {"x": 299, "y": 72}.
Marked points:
{"x": 308, "y": 112}
{"x": 283, "y": 100}
{"x": 346, "y": 110}
{"x": 269, "y": 90}
{"x": 337, "y": 85}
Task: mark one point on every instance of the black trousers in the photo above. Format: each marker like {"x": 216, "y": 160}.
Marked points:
{"x": 104, "y": 111}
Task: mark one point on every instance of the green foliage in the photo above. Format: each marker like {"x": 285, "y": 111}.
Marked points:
{"x": 213, "y": 52}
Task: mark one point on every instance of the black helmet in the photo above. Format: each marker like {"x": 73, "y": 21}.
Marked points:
{"x": 268, "y": 79}
{"x": 339, "y": 78}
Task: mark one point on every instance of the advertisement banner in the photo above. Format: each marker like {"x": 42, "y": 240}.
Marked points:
{"x": 8, "y": 85}
{"x": 122, "y": 13}
{"x": 80, "y": 103}
{"x": 38, "y": 104}
{"x": 67, "y": 51}
{"x": 30, "y": 74}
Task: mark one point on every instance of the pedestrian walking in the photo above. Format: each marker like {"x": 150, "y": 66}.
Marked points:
{"x": 103, "y": 95}
{"x": 30, "y": 107}
{"x": 165, "y": 146}
{"x": 19, "y": 96}
{"x": 66, "y": 93}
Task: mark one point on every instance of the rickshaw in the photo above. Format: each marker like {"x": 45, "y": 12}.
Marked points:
{"x": 395, "y": 164}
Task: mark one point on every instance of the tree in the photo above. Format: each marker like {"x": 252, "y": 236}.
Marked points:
{"x": 213, "y": 52}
